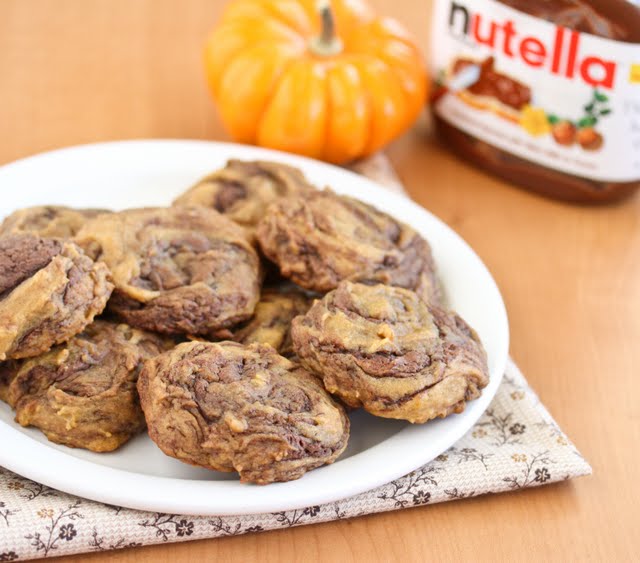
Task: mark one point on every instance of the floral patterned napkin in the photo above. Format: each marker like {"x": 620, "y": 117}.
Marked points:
{"x": 515, "y": 444}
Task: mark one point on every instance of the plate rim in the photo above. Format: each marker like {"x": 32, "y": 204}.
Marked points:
{"x": 13, "y": 440}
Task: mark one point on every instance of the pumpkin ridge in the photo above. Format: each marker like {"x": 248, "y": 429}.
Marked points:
{"x": 328, "y": 101}
{"x": 413, "y": 109}
{"x": 274, "y": 88}
{"x": 224, "y": 35}
{"x": 405, "y": 73}
{"x": 277, "y": 15}
{"x": 241, "y": 52}
{"x": 276, "y": 76}
{"x": 364, "y": 57}
{"x": 254, "y": 24}
{"x": 377, "y": 120}
{"x": 334, "y": 73}
{"x": 400, "y": 67}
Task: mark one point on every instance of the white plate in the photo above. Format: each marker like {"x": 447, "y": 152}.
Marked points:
{"x": 144, "y": 173}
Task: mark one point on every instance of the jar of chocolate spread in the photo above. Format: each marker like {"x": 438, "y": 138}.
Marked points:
{"x": 544, "y": 93}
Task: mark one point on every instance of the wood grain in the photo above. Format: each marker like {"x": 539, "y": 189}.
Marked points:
{"x": 74, "y": 71}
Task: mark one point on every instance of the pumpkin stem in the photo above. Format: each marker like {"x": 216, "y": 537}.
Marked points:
{"x": 327, "y": 43}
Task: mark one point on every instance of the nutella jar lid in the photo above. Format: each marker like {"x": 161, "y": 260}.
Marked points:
{"x": 611, "y": 19}
{"x": 555, "y": 83}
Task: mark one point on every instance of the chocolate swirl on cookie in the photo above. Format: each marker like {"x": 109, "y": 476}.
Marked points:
{"x": 48, "y": 221}
{"x": 22, "y": 256}
{"x": 243, "y": 189}
{"x": 178, "y": 270}
{"x": 323, "y": 238}
{"x": 49, "y": 291}
{"x": 230, "y": 407}
{"x": 387, "y": 350}
{"x": 271, "y": 320}
{"x": 83, "y": 393}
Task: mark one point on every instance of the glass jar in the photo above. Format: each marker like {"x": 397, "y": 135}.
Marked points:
{"x": 543, "y": 93}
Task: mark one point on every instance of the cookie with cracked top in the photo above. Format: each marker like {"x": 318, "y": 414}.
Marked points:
{"x": 229, "y": 407}
{"x": 323, "y": 238}
{"x": 83, "y": 393}
{"x": 176, "y": 270}
{"x": 242, "y": 190}
{"x": 387, "y": 350}
{"x": 51, "y": 221}
{"x": 49, "y": 291}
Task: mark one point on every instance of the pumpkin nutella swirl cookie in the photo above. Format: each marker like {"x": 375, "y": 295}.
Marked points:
{"x": 83, "y": 393}
{"x": 177, "y": 270}
{"x": 271, "y": 320}
{"x": 323, "y": 238}
{"x": 387, "y": 350}
{"x": 7, "y": 373}
{"x": 229, "y": 407}
{"x": 49, "y": 291}
{"x": 243, "y": 189}
{"x": 49, "y": 221}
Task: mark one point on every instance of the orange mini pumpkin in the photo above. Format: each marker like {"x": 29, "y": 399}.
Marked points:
{"x": 330, "y": 81}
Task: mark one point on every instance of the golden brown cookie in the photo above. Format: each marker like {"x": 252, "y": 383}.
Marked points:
{"x": 242, "y": 190}
{"x": 271, "y": 320}
{"x": 7, "y": 373}
{"x": 177, "y": 270}
{"x": 50, "y": 221}
{"x": 49, "y": 291}
{"x": 387, "y": 350}
{"x": 229, "y": 407}
{"x": 323, "y": 238}
{"x": 83, "y": 394}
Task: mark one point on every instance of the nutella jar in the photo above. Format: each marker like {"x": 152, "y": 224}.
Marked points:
{"x": 544, "y": 93}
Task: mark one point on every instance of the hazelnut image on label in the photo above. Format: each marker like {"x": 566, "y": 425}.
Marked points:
{"x": 590, "y": 139}
{"x": 564, "y": 133}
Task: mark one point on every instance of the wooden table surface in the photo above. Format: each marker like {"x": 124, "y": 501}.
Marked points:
{"x": 78, "y": 71}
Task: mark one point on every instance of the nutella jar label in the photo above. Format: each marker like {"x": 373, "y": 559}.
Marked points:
{"x": 560, "y": 98}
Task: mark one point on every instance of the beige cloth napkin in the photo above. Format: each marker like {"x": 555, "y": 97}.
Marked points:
{"x": 516, "y": 444}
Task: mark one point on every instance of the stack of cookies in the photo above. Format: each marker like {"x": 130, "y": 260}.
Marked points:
{"x": 237, "y": 325}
